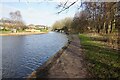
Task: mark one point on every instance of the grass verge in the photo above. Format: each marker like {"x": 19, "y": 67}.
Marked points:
{"x": 104, "y": 62}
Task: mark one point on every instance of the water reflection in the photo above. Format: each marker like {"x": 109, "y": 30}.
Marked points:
{"x": 23, "y": 54}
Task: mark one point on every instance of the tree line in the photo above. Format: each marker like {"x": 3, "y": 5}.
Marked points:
{"x": 94, "y": 17}
{"x": 101, "y": 17}
{"x": 14, "y": 22}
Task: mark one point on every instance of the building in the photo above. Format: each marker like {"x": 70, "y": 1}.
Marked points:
{"x": 14, "y": 30}
{"x": 31, "y": 26}
{"x": 41, "y": 26}
{"x": 1, "y": 27}
{"x": 32, "y": 30}
{"x": 35, "y": 28}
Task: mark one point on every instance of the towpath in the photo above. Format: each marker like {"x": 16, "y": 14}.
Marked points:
{"x": 71, "y": 63}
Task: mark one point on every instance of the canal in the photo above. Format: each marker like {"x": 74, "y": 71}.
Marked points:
{"x": 23, "y": 54}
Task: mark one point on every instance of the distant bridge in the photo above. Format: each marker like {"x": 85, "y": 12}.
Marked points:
{"x": 59, "y": 30}
{"x": 64, "y": 29}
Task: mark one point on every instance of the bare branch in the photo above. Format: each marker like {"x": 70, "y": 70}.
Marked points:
{"x": 65, "y": 4}
{"x": 66, "y": 7}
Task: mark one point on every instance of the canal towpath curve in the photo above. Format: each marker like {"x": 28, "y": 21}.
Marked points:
{"x": 69, "y": 62}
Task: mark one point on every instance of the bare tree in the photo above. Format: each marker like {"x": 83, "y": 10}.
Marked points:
{"x": 16, "y": 17}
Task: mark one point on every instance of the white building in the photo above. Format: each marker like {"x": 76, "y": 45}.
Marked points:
{"x": 1, "y": 27}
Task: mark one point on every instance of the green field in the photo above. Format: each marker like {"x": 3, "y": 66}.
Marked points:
{"x": 104, "y": 62}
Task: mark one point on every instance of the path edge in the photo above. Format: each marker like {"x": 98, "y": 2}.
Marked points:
{"x": 50, "y": 62}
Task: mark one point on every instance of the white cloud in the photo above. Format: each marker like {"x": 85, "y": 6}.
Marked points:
{"x": 31, "y": 15}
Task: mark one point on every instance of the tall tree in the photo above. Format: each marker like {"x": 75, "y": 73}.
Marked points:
{"x": 16, "y": 17}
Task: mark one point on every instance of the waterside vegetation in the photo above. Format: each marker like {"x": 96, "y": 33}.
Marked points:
{"x": 98, "y": 27}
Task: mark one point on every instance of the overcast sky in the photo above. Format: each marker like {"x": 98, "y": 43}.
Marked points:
{"x": 43, "y": 13}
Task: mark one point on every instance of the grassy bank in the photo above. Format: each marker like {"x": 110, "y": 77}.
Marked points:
{"x": 104, "y": 62}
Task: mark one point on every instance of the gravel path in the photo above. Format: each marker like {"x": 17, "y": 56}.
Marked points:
{"x": 70, "y": 64}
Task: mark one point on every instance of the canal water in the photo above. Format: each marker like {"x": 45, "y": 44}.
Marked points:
{"x": 23, "y": 54}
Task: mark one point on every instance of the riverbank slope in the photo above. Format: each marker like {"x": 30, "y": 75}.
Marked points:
{"x": 67, "y": 63}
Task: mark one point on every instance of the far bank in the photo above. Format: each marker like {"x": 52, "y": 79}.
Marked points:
{"x": 21, "y": 33}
